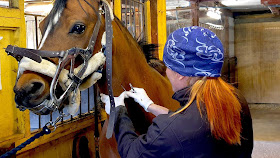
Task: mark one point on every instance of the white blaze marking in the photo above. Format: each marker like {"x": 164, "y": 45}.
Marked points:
{"x": 51, "y": 24}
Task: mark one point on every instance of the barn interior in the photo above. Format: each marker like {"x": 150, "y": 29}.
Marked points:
{"x": 248, "y": 29}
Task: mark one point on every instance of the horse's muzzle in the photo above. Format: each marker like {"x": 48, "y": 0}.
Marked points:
{"x": 29, "y": 94}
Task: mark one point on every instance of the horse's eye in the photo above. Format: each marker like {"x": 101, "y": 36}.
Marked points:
{"x": 78, "y": 29}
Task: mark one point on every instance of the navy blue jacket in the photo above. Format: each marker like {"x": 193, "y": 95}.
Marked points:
{"x": 185, "y": 135}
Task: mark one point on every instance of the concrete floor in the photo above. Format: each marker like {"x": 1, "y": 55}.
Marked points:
{"x": 266, "y": 126}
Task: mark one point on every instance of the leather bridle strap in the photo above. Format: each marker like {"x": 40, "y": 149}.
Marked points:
{"x": 108, "y": 53}
{"x": 33, "y": 54}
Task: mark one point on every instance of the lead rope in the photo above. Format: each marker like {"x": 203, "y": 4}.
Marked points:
{"x": 96, "y": 116}
{"x": 45, "y": 131}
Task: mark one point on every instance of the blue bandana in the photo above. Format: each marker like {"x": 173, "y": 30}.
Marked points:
{"x": 194, "y": 51}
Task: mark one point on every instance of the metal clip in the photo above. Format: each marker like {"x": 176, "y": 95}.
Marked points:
{"x": 53, "y": 124}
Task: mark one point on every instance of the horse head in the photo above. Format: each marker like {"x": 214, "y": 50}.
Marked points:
{"x": 68, "y": 25}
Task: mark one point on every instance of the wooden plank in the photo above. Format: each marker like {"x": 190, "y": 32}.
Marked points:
{"x": 161, "y": 16}
{"x": 148, "y": 31}
{"x": 118, "y": 8}
{"x": 195, "y": 13}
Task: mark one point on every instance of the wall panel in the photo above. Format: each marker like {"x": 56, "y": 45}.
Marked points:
{"x": 258, "y": 61}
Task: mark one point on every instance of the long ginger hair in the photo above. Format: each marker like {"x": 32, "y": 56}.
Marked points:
{"x": 222, "y": 106}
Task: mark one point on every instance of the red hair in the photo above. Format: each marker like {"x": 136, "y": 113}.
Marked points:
{"x": 222, "y": 106}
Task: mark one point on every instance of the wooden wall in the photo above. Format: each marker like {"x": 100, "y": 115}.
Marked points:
{"x": 258, "y": 60}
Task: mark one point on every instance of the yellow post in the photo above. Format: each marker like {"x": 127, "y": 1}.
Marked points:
{"x": 118, "y": 8}
{"x": 161, "y": 15}
{"x": 14, "y": 124}
{"x": 148, "y": 31}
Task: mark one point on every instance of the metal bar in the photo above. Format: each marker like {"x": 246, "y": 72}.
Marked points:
{"x": 51, "y": 116}
{"x": 140, "y": 22}
{"x": 185, "y": 8}
{"x": 125, "y": 13}
{"x": 62, "y": 117}
{"x": 88, "y": 101}
{"x": 143, "y": 21}
{"x": 130, "y": 18}
{"x": 39, "y": 121}
{"x": 36, "y": 30}
{"x": 134, "y": 17}
{"x": 80, "y": 110}
{"x": 137, "y": 1}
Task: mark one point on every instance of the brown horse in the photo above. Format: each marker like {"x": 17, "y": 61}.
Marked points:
{"x": 70, "y": 24}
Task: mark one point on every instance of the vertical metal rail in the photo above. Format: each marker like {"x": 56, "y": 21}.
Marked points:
{"x": 125, "y": 13}
{"x": 51, "y": 117}
{"x": 130, "y": 18}
{"x": 36, "y": 30}
{"x": 143, "y": 19}
{"x": 134, "y": 17}
{"x": 80, "y": 110}
{"x": 88, "y": 101}
{"x": 139, "y": 24}
{"x": 39, "y": 121}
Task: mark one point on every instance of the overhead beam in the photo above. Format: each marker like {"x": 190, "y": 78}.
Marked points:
{"x": 270, "y": 2}
{"x": 207, "y": 0}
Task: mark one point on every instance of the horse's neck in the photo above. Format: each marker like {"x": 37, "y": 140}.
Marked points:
{"x": 130, "y": 66}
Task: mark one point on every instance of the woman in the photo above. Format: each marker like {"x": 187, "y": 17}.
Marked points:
{"x": 214, "y": 120}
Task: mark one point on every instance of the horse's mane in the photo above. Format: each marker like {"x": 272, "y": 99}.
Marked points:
{"x": 58, "y": 5}
{"x": 145, "y": 48}
{"x": 154, "y": 62}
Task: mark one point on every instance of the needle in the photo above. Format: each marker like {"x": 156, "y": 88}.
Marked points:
{"x": 132, "y": 88}
{"x": 123, "y": 88}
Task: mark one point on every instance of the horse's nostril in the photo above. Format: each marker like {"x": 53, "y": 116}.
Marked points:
{"x": 35, "y": 87}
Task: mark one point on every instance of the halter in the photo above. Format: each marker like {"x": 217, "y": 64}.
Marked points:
{"x": 74, "y": 79}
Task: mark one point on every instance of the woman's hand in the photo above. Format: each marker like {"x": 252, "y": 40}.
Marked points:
{"x": 140, "y": 96}
{"x": 119, "y": 101}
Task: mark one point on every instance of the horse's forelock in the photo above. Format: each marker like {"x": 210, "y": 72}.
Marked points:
{"x": 58, "y": 6}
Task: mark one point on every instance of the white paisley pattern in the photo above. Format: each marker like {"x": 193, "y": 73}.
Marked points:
{"x": 177, "y": 54}
{"x": 202, "y": 72}
{"x": 209, "y": 52}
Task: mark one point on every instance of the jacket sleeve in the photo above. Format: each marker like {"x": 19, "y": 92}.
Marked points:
{"x": 155, "y": 143}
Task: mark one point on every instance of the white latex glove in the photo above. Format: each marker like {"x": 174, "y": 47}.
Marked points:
{"x": 119, "y": 101}
{"x": 140, "y": 96}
